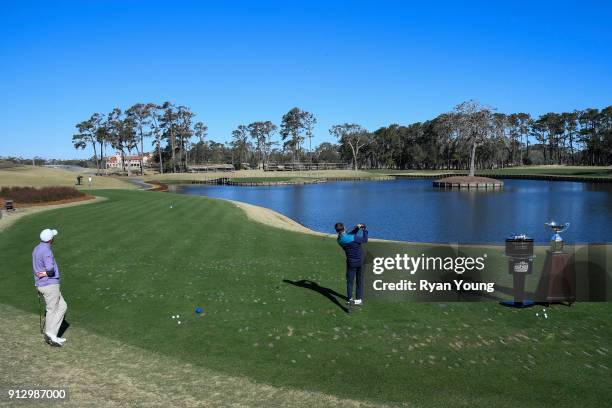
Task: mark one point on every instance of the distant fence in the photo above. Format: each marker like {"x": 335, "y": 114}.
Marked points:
{"x": 306, "y": 166}
{"x": 205, "y": 168}
{"x": 226, "y": 181}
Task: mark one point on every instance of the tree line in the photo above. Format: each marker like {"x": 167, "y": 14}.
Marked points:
{"x": 468, "y": 137}
{"x": 475, "y": 136}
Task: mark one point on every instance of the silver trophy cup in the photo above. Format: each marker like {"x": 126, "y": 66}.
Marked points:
{"x": 556, "y": 241}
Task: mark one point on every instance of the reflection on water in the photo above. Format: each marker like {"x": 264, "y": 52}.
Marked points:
{"x": 412, "y": 210}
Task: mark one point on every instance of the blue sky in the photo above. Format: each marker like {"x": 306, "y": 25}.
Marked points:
{"x": 373, "y": 63}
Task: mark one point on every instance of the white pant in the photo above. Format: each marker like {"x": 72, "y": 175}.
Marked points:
{"x": 56, "y": 308}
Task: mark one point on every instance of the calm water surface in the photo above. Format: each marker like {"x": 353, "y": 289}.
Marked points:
{"x": 412, "y": 210}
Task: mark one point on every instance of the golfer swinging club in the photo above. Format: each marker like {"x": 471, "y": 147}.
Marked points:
{"x": 46, "y": 280}
{"x": 351, "y": 243}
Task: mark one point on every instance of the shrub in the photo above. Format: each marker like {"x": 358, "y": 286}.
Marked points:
{"x": 31, "y": 195}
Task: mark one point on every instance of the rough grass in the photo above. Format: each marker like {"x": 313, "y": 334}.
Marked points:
{"x": 97, "y": 371}
{"x": 47, "y": 177}
{"x": 130, "y": 262}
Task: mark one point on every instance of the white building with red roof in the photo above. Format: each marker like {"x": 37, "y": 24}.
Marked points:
{"x": 132, "y": 162}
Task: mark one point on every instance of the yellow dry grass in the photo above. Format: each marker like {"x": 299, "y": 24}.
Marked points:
{"x": 260, "y": 173}
{"x": 46, "y": 177}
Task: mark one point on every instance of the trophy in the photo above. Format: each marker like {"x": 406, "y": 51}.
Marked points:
{"x": 556, "y": 242}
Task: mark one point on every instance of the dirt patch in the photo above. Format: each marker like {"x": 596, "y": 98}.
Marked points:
{"x": 10, "y": 217}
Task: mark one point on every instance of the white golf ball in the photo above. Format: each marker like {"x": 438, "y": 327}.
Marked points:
{"x": 545, "y": 316}
{"x": 543, "y": 310}
{"x": 179, "y": 322}
{"x": 174, "y": 317}
{"x": 537, "y": 314}
{"x": 177, "y": 316}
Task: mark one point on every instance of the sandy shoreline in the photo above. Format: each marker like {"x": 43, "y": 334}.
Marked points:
{"x": 274, "y": 219}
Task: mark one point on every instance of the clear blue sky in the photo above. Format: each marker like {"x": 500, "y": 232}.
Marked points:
{"x": 371, "y": 63}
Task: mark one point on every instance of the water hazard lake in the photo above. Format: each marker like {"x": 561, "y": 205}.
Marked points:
{"x": 413, "y": 210}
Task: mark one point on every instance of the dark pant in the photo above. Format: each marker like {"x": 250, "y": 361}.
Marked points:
{"x": 354, "y": 273}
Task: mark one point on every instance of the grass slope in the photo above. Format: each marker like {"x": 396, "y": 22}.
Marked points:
{"x": 46, "y": 177}
{"x": 130, "y": 262}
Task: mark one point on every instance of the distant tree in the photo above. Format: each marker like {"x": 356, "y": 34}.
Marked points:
{"x": 262, "y": 133}
{"x": 292, "y": 125}
{"x": 122, "y": 133}
{"x": 503, "y": 143}
{"x": 103, "y": 137}
{"x": 140, "y": 117}
{"x": 474, "y": 124}
{"x": 155, "y": 114}
{"x": 200, "y": 131}
{"x": 352, "y": 135}
{"x": 538, "y": 131}
{"x": 327, "y": 152}
{"x": 446, "y": 137}
{"x": 240, "y": 142}
{"x": 519, "y": 129}
{"x": 88, "y": 132}
{"x": 168, "y": 121}
{"x": 570, "y": 127}
{"x": 309, "y": 121}
{"x": 184, "y": 133}
{"x": 589, "y": 134}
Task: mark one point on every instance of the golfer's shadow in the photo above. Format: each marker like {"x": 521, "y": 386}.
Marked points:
{"x": 330, "y": 294}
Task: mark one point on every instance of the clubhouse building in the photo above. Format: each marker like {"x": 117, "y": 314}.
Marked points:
{"x": 131, "y": 162}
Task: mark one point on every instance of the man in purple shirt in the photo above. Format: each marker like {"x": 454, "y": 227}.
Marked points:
{"x": 47, "y": 282}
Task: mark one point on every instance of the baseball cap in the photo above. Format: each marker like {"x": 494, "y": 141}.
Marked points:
{"x": 47, "y": 235}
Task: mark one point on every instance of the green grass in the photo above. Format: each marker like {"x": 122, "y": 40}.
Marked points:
{"x": 571, "y": 171}
{"x": 554, "y": 171}
{"x": 130, "y": 262}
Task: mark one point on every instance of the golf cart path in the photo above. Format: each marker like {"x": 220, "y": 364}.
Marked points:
{"x": 9, "y": 218}
{"x": 97, "y": 371}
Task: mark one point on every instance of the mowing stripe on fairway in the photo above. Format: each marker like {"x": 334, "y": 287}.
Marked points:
{"x": 127, "y": 271}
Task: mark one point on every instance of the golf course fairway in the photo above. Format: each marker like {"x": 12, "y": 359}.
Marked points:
{"x": 132, "y": 261}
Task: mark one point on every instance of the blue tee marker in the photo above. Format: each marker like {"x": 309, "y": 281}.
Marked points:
{"x": 199, "y": 310}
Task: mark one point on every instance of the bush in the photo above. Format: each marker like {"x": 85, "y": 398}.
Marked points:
{"x": 31, "y": 195}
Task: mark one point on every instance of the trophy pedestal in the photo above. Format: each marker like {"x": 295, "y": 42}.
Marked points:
{"x": 558, "y": 284}
{"x": 518, "y": 280}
